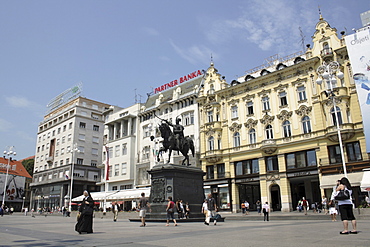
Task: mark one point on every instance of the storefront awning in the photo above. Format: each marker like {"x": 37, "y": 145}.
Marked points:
{"x": 328, "y": 182}
{"x": 129, "y": 194}
{"x": 97, "y": 196}
{"x": 365, "y": 182}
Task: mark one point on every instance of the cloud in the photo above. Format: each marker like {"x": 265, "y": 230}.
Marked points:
{"x": 195, "y": 54}
{"x": 5, "y": 125}
{"x": 150, "y": 31}
{"x": 18, "y": 102}
{"x": 269, "y": 24}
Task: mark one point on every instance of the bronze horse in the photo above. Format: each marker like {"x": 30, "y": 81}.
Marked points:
{"x": 169, "y": 143}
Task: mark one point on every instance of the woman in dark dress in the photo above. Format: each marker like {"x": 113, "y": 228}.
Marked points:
{"x": 85, "y": 219}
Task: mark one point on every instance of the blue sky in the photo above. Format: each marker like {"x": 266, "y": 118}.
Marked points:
{"x": 117, "y": 47}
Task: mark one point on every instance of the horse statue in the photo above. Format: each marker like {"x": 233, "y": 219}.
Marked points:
{"x": 170, "y": 142}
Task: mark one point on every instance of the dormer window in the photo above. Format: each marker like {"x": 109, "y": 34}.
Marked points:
{"x": 264, "y": 72}
{"x": 280, "y": 66}
{"x": 248, "y": 78}
{"x": 297, "y": 60}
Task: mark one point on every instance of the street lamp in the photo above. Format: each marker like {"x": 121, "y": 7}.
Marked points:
{"x": 74, "y": 149}
{"x": 10, "y": 151}
{"x": 330, "y": 73}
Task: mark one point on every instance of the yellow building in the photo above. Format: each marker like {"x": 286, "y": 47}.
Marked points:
{"x": 271, "y": 135}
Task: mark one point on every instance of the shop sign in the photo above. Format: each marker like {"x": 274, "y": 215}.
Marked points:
{"x": 177, "y": 81}
{"x": 303, "y": 173}
{"x": 244, "y": 180}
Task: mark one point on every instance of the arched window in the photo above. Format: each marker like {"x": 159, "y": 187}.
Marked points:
{"x": 306, "y": 125}
{"x": 211, "y": 143}
{"x": 236, "y": 139}
{"x": 252, "y": 136}
{"x": 269, "y": 133}
{"x": 332, "y": 111}
{"x": 286, "y": 129}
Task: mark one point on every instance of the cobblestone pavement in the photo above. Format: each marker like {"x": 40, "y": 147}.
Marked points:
{"x": 19, "y": 230}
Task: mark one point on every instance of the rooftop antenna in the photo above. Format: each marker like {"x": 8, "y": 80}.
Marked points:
{"x": 211, "y": 59}
{"x": 302, "y": 38}
{"x": 135, "y": 95}
{"x": 320, "y": 13}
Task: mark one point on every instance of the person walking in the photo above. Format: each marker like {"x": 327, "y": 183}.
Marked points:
{"x": 144, "y": 206}
{"x": 345, "y": 206}
{"x": 304, "y": 205}
{"x": 205, "y": 208}
{"x": 242, "y": 205}
{"x": 2, "y": 210}
{"x": 324, "y": 204}
{"x": 332, "y": 210}
{"x": 115, "y": 210}
{"x": 212, "y": 209}
{"x": 170, "y": 209}
{"x": 246, "y": 203}
{"x": 266, "y": 211}
{"x": 85, "y": 216}
{"x": 258, "y": 206}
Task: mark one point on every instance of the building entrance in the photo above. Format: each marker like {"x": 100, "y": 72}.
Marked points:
{"x": 275, "y": 198}
{"x": 250, "y": 193}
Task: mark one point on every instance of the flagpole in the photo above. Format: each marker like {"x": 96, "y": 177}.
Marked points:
{"x": 106, "y": 179}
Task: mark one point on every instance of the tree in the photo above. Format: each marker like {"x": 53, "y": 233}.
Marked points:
{"x": 28, "y": 164}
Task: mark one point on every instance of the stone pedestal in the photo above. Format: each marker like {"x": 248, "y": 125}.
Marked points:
{"x": 179, "y": 182}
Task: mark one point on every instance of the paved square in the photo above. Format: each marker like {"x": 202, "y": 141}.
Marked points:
{"x": 19, "y": 230}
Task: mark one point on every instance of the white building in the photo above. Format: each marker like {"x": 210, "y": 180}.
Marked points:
{"x": 169, "y": 101}
{"x": 70, "y": 134}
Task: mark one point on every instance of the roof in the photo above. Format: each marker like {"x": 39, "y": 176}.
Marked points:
{"x": 16, "y": 168}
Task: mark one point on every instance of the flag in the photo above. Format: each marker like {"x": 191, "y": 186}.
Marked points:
{"x": 66, "y": 176}
{"x": 107, "y": 164}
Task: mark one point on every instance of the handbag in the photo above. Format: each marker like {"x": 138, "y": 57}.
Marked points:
{"x": 342, "y": 195}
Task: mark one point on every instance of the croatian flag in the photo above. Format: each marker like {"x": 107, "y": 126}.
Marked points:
{"x": 66, "y": 176}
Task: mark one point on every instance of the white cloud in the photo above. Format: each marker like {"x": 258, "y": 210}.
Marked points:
{"x": 269, "y": 24}
{"x": 150, "y": 31}
{"x": 195, "y": 54}
{"x": 5, "y": 125}
{"x": 18, "y": 102}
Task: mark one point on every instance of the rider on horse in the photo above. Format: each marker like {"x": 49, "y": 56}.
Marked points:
{"x": 178, "y": 132}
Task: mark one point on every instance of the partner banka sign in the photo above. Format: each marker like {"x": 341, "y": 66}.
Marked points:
{"x": 176, "y": 82}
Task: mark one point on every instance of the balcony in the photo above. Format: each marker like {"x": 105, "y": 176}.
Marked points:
{"x": 326, "y": 52}
{"x": 213, "y": 156}
{"x": 50, "y": 159}
{"x": 268, "y": 146}
{"x": 346, "y": 132}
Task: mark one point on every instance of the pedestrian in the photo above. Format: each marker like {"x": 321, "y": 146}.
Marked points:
{"x": 181, "y": 209}
{"x": 242, "y": 205}
{"x": 144, "y": 206}
{"x": 205, "y": 208}
{"x": 25, "y": 211}
{"x": 332, "y": 210}
{"x": 115, "y": 209}
{"x": 170, "y": 209}
{"x": 324, "y": 204}
{"x": 246, "y": 203}
{"x": 11, "y": 210}
{"x": 304, "y": 205}
{"x": 187, "y": 210}
{"x": 212, "y": 209}
{"x": 345, "y": 206}
{"x": 2, "y": 210}
{"x": 299, "y": 205}
{"x": 266, "y": 211}
{"x": 367, "y": 200}
{"x": 64, "y": 210}
{"x": 85, "y": 215}
{"x": 258, "y": 206}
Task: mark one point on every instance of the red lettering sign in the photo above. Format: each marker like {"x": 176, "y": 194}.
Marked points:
{"x": 176, "y": 82}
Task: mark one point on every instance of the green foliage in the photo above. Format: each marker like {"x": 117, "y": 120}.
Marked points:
{"x": 28, "y": 164}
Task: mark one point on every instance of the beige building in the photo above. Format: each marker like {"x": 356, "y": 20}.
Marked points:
{"x": 271, "y": 135}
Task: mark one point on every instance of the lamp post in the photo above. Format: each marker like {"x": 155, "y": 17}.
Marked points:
{"x": 74, "y": 149}
{"x": 10, "y": 151}
{"x": 329, "y": 73}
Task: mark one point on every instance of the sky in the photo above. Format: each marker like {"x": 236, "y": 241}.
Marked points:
{"x": 121, "y": 50}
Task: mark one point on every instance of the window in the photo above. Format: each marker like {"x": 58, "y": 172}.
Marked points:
{"x": 116, "y": 170}
{"x": 283, "y": 99}
{"x": 125, "y": 187}
{"x": 146, "y": 152}
{"x": 67, "y": 161}
{"x": 95, "y": 128}
{"x": 234, "y": 111}
{"x": 236, "y": 139}
{"x": 211, "y": 143}
{"x": 61, "y": 162}
{"x": 306, "y": 125}
{"x": 94, "y": 163}
{"x": 81, "y": 149}
{"x": 220, "y": 170}
{"x": 252, "y": 136}
{"x": 69, "y": 137}
{"x": 146, "y": 131}
{"x": 265, "y": 103}
{"x": 64, "y": 128}
{"x": 114, "y": 187}
{"x": 80, "y": 161}
{"x": 210, "y": 116}
{"x": 95, "y": 139}
{"x": 59, "y": 130}
{"x": 81, "y": 137}
{"x": 110, "y": 151}
{"x": 272, "y": 163}
{"x": 70, "y": 125}
{"x": 82, "y": 125}
{"x": 335, "y": 154}
{"x": 188, "y": 118}
{"x": 246, "y": 167}
{"x": 353, "y": 151}
{"x": 124, "y": 149}
{"x": 250, "y": 108}
{"x": 301, "y": 93}
{"x": 61, "y": 151}
{"x": 63, "y": 139}
{"x": 210, "y": 172}
{"x": 123, "y": 168}
{"x": 94, "y": 151}
{"x": 339, "y": 114}
{"x": 95, "y": 116}
{"x": 286, "y": 129}
{"x": 269, "y": 133}
{"x": 116, "y": 150}
{"x": 110, "y": 171}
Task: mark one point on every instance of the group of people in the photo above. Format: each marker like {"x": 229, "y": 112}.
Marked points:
{"x": 265, "y": 209}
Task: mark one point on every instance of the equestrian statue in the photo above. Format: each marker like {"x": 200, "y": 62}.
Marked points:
{"x": 175, "y": 140}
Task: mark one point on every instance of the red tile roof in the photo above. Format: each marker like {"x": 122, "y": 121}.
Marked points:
{"x": 16, "y": 168}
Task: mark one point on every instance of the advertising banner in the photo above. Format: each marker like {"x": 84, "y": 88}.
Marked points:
{"x": 358, "y": 46}
{"x": 14, "y": 188}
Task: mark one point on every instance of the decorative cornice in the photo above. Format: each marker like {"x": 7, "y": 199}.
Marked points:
{"x": 284, "y": 115}
{"x": 303, "y": 110}
{"x": 250, "y": 123}
{"x": 299, "y": 81}
{"x": 235, "y": 127}
{"x": 264, "y": 91}
{"x": 233, "y": 102}
{"x": 267, "y": 119}
{"x": 248, "y": 97}
{"x": 281, "y": 87}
